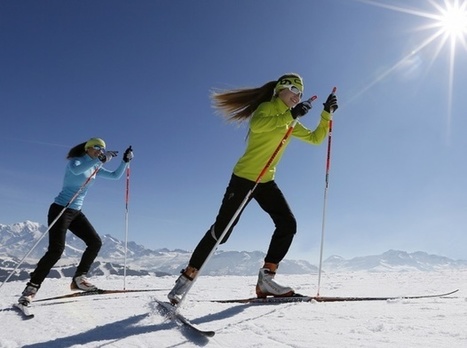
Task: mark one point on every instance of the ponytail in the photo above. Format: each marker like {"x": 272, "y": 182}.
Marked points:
{"x": 77, "y": 151}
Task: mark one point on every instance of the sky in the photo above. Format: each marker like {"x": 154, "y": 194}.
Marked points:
{"x": 134, "y": 319}
{"x": 140, "y": 73}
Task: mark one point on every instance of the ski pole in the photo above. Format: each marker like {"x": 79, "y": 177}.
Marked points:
{"x": 242, "y": 205}
{"x": 326, "y": 186}
{"x": 52, "y": 223}
{"x": 127, "y": 196}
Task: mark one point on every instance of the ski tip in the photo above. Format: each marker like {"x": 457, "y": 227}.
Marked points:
{"x": 23, "y": 310}
{"x": 209, "y": 333}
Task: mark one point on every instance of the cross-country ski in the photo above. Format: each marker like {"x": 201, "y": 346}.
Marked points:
{"x": 95, "y": 292}
{"x": 303, "y": 298}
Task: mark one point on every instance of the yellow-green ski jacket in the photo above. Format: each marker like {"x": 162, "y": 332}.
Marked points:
{"x": 268, "y": 125}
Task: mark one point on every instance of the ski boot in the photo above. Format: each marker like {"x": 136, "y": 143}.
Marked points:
{"x": 182, "y": 284}
{"x": 82, "y": 283}
{"x": 266, "y": 285}
{"x": 28, "y": 294}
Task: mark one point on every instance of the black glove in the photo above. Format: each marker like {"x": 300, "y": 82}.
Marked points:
{"x": 107, "y": 156}
{"x": 331, "y": 103}
{"x": 301, "y": 109}
{"x": 128, "y": 155}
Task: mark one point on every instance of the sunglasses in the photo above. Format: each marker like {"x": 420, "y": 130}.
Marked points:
{"x": 98, "y": 148}
{"x": 293, "y": 89}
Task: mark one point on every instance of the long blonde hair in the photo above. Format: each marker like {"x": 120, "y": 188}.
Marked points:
{"x": 237, "y": 105}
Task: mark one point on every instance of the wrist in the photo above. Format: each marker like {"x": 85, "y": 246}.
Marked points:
{"x": 292, "y": 114}
{"x": 325, "y": 115}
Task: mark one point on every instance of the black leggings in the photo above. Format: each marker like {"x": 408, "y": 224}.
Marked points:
{"x": 271, "y": 200}
{"x": 78, "y": 224}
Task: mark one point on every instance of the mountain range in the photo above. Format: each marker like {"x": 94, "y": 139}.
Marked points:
{"x": 16, "y": 241}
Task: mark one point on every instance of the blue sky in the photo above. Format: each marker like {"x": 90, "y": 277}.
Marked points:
{"x": 140, "y": 72}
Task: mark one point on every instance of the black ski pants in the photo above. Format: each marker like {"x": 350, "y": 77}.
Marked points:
{"x": 270, "y": 199}
{"x": 78, "y": 224}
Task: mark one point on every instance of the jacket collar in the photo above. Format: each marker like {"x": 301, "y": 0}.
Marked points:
{"x": 279, "y": 104}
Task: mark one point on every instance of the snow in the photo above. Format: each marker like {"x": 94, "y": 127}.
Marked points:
{"x": 132, "y": 319}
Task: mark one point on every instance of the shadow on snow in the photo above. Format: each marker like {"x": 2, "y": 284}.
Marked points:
{"x": 128, "y": 327}
{"x": 117, "y": 330}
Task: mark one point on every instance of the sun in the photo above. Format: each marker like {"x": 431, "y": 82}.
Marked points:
{"x": 452, "y": 20}
{"x": 446, "y": 25}
{"x": 447, "y": 22}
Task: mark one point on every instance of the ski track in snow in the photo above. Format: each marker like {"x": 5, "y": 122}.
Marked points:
{"x": 133, "y": 320}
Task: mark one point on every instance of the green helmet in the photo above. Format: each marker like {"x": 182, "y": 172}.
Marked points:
{"x": 94, "y": 142}
{"x": 287, "y": 80}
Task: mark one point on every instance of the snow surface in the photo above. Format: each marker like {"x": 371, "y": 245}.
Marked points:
{"x": 132, "y": 320}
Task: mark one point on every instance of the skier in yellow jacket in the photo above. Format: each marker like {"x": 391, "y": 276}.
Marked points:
{"x": 271, "y": 109}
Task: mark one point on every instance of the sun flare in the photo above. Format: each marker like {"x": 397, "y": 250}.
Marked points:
{"x": 446, "y": 27}
{"x": 453, "y": 20}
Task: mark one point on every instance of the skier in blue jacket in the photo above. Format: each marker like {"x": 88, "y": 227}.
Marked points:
{"x": 84, "y": 165}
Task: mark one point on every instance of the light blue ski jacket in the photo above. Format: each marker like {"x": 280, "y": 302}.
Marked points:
{"x": 78, "y": 170}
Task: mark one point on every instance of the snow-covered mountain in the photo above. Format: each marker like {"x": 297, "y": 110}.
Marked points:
{"x": 393, "y": 260}
{"x": 17, "y": 239}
